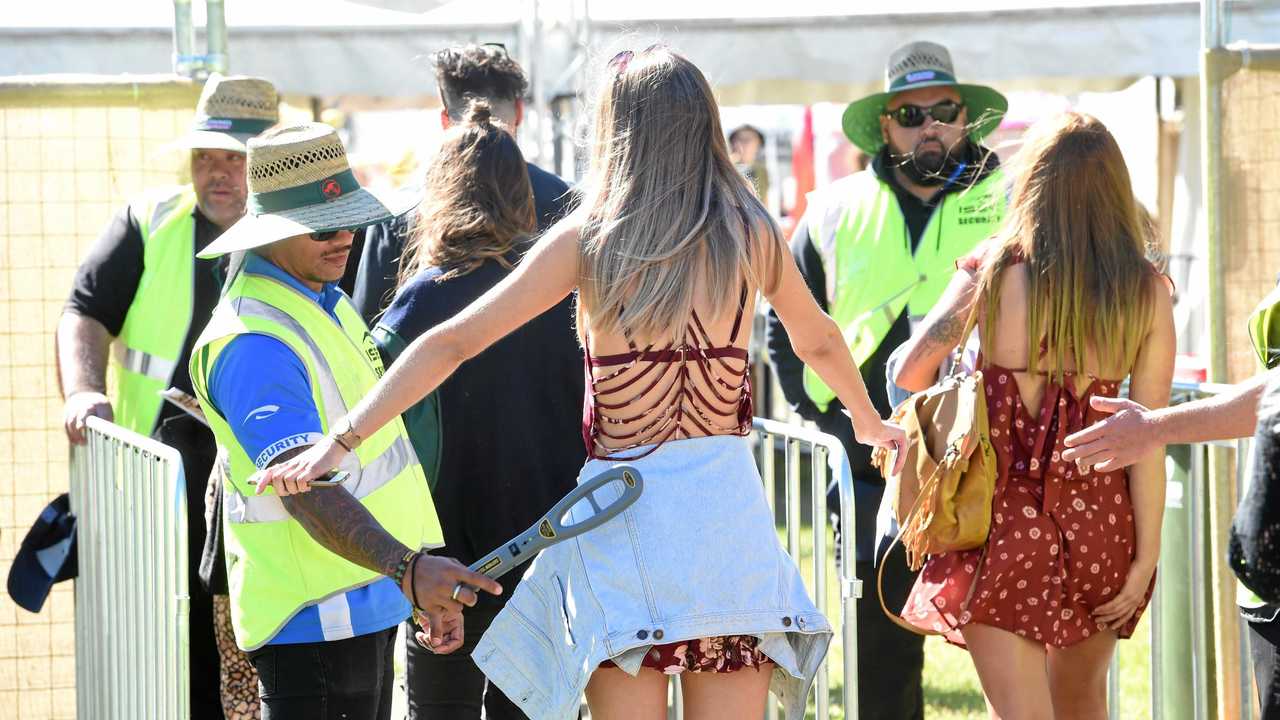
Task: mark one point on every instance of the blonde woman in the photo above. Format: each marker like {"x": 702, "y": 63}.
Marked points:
{"x": 668, "y": 253}
{"x": 1069, "y": 307}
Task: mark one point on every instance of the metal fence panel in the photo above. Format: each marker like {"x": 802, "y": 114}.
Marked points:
{"x": 129, "y": 496}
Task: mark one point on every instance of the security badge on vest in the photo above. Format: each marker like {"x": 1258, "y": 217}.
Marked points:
{"x": 872, "y": 275}
{"x": 150, "y": 341}
{"x": 274, "y": 567}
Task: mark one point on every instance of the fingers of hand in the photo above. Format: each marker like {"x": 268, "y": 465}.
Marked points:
{"x": 476, "y": 581}
{"x": 1110, "y": 405}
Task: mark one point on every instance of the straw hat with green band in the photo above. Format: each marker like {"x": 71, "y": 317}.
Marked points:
{"x": 921, "y": 65}
{"x": 300, "y": 183}
{"x": 230, "y": 111}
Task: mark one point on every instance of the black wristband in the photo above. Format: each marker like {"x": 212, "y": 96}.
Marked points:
{"x": 413, "y": 586}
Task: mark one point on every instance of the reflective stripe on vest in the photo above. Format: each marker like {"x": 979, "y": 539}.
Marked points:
{"x": 274, "y": 567}
{"x": 146, "y": 352}
{"x": 269, "y": 508}
{"x": 153, "y": 367}
{"x": 872, "y": 274}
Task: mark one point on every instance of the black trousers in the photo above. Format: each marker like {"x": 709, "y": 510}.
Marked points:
{"x": 1264, "y": 647}
{"x": 197, "y": 447}
{"x": 451, "y": 687}
{"x": 348, "y": 679}
{"x": 890, "y": 659}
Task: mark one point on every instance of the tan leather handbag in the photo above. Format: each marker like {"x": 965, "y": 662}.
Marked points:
{"x": 942, "y": 498}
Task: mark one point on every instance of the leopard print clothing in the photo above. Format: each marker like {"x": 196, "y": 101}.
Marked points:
{"x": 239, "y": 678}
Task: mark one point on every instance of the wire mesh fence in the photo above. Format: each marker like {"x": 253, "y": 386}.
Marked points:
{"x": 72, "y": 152}
{"x": 1251, "y": 202}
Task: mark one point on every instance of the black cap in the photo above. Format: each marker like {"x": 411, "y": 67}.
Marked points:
{"x": 47, "y": 555}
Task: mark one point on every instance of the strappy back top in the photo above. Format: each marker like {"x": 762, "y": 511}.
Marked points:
{"x": 681, "y": 408}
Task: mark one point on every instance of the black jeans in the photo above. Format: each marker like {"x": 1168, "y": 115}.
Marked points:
{"x": 451, "y": 687}
{"x": 197, "y": 446}
{"x": 890, "y": 659}
{"x": 1264, "y": 647}
{"x": 348, "y": 679}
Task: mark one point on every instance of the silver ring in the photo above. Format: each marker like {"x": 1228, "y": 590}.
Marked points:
{"x": 456, "y": 589}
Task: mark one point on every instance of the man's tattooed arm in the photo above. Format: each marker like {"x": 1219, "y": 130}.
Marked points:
{"x": 336, "y": 520}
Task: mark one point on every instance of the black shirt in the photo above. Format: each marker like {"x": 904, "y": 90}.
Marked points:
{"x": 107, "y": 281}
{"x": 510, "y": 418}
{"x": 372, "y": 282}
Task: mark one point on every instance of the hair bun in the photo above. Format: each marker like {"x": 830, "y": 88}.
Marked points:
{"x": 479, "y": 111}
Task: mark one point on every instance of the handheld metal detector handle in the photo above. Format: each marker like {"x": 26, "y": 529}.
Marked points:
{"x": 550, "y": 529}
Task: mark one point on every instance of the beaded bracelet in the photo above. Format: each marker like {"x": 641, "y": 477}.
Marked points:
{"x": 402, "y": 566}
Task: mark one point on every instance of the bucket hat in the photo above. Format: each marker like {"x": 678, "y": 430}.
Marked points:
{"x": 301, "y": 182}
{"x": 47, "y": 555}
{"x": 919, "y": 65}
{"x": 231, "y": 110}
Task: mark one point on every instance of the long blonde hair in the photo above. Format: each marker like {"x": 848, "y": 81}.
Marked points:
{"x": 478, "y": 205}
{"x": 664, "y": 206}
{"x": 1074, "y": 221}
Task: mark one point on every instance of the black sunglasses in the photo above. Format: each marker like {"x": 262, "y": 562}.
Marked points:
{"x": 328, "y": 235}
{"x": 911, "y": 116}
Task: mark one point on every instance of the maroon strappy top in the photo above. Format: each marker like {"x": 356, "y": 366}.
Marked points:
{"x": 681, "y": 409}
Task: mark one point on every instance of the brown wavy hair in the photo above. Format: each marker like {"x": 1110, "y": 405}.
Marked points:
{"x": 478, "y": 203}
{"x": 1074, "y": 221}
{"x": 665, "y": 207}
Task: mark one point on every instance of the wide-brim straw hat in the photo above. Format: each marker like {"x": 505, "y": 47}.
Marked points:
{"x": 921, "y": 65}
{"x": 231, "y": 110}
{"x": 300, "y": 182}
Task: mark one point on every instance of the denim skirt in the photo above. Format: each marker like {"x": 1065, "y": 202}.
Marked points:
{"x": 696, "y": 556}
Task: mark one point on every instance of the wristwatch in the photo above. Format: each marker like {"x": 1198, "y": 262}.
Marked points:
{"x": 345, "y": 435}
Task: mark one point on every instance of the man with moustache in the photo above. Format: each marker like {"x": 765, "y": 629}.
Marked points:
{"x": 877, "y": 249}
{"x": 143, "y": 289}
{"x": 319, "y": 580}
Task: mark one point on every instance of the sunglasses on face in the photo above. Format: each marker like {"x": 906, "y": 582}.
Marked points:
{"x": 328, "y": 235}
{"x": 912, "y": 116}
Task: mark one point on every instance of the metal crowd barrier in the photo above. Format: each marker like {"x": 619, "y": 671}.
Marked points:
{"x": 129, "y": 496}
{"x": 782, "y": 452}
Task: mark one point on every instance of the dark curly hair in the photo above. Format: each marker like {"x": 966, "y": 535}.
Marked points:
{"x": 477, "y": 71}
{"x": 479, "y": 204}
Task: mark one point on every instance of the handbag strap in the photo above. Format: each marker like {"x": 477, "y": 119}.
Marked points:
{"x": 969, "y": 324}
{"x": 916, "y": 507}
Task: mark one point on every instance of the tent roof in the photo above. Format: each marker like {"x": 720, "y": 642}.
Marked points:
{"x": 309, "y": 47}
{"x": 833, "y": 49}
{"x": 823, "y": 50}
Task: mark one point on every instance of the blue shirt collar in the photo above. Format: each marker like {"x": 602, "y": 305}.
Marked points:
{"x": 327, "y": 298}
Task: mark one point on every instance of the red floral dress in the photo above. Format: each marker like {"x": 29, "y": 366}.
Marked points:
{"x": 729, "y": 653}
{"x": 1061, "y": 542}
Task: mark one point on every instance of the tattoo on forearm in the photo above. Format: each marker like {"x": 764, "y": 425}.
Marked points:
{"x": 945, "y": 332}
{"x": 336, "y": 520}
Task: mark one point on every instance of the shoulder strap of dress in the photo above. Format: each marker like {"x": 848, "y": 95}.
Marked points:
{"x": 737, "y": 320}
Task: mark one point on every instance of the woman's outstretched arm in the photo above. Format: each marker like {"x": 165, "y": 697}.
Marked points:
{"x": 539, "y": 282}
